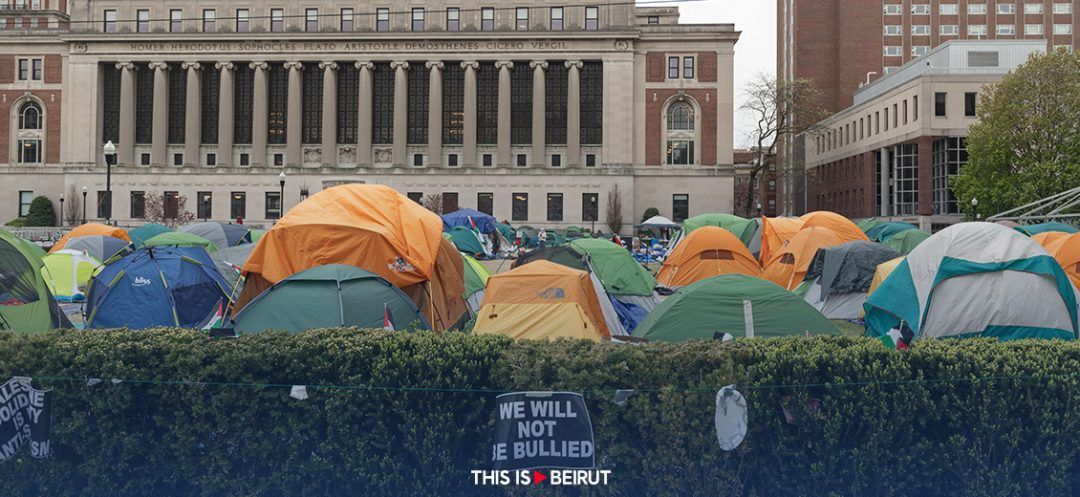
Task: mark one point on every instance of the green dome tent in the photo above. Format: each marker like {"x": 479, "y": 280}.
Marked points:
{"x": 906, "y": 241}
{"x": 180, "y": 239}
{"x": 739, "y": 226}
{"x": 256, "y": 235}
{"x": 866, "y": 224}
{"x": 614, "y": 266}
{"x": 476, "y": 277}
{"x": 882, "y": 231}
{"x": 25, "y": 302}
{"x": 140, "y": 235}
{"x": 466, "y": 241}
{"x": 67, "y": 274}
{"x": 736, "y": 304}
{"x": 328, "y": 296}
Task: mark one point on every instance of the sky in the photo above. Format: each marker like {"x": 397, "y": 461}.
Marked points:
{"x": 756, "y": 50}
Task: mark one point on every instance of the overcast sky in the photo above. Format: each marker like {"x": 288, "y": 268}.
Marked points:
{"x": 756, "y": 49}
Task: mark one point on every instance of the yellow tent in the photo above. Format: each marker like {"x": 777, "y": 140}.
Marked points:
{"x": 883, "y": 271}
{"x": 1067, "y": 253}
{"x": 848, "y": 231}
{"x": 787, "y": 267}
{"x": 541, "y": 300}
{"x": 706, "y": 252}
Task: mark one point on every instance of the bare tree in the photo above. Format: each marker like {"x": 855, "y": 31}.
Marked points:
{"x": 433, "y": 203}
{"x": 779, "y": 109}
{"x": 613, "y": 217}
{"x": 72, "y": 208}
{"x": 167, "y": 210}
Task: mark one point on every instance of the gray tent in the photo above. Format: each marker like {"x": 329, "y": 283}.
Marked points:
{"x": 839, "y": 277}
{"x": 220, "y": 234}
{"x": 100, "y": 247}
{"x": 229, "y": 261}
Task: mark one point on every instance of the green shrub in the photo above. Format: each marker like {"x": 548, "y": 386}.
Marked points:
{"x": 41, "y": 212}
{"x": 949, "y": 417}
{"x": 19, "y": 222}
{"x": 650, "y": 212}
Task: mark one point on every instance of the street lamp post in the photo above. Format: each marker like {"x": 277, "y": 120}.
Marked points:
{"x": 61, "y": 210}
{"x": 758, "y": 209}
{"x": 595, "y": 213}
{"x": 110, "y": 150}
{"x": 281, "y": 199}
{"x": 974, "y": 208}
{"x": 84, "y": 204}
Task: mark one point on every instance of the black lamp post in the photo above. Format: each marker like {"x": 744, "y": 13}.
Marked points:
{"x": 84, "y": 204}
{"x": 281, "y": 199}
{"x": 110, "y": 151}
{"x": 974, "y": 208}
{"x": 759, "y": 209}
{"x": 594, "y": 214}
{"x": 61, "y": 210}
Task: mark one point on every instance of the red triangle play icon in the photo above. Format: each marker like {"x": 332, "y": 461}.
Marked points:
{"x": 538, "y": 477}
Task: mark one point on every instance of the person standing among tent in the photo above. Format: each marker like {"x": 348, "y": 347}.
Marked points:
{"x": 542, "y": 237}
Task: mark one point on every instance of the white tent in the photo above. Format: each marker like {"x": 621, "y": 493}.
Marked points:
{"x": 658, "y": 222}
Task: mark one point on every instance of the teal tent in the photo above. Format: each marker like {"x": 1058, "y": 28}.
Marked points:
{"x": 1035, "y": 229}
{"x": 466, "y": 241}
{"x": 140, "y": 235}
{"x": 882, "y": 231}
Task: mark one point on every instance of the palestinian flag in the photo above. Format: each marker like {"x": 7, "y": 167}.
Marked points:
{"x": 216, "y": 319}
{"x": 898, "y": 338}
{"x": 388, "y": 319}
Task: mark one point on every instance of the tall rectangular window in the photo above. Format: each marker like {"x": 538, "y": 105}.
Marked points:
{"x": 688, "y": 67}
{"x": 347, "y": 20}
{"x": 142, "y": 21}
{"x": 138, "y": 205}
{"x": 417, "y": 106}
{"x": 947, "y": 157}
{"x": 418, "y": 19}
{"x": 277, "y": 20}
{"x": 25, "y": 198}
{"x": 521, "y": 19}
{"x": 485, "y": 203}
{"x": 382, "y": 19}
{"x": 453, "y": 19}
{"x": 205, "y": 201}
{"x": 243, "y": 21}
{"x": 914, "y": 108}
{"x": 939, "y": 104}
{"x": 453, "y": 106}
{"x": 237, "y": 205}
{"x": 969, "y": 104}
{"x": 519, "y": 209}
{"x": 555, "y": 207}
{"x": 556, "y": 18}
{"x": 273, "y": 205}
{"x": 673, "y": 68}
{"x": 590, "y": 207}
{"x": 905, "y": 111}
{"x": 348, "y": 88}
{"x": 450, "y": 202}
{"x": 487, "y": 19}
{"x": 109, "y": 21}
{"x": 243, "y": 103}
{"x": 311, "y": 105}
{"x": 311, "y": 20}
{"x": 172, "y": 205}
{"x": 592, "y": 18}
{"x": 24, "y": 69}
{"x": 382, "y": 104}
{"x": 209, "y": 20}
{"x": 176, "y": 21}
{"x": 592, "y": 103}
{"x": 680, "y": 207}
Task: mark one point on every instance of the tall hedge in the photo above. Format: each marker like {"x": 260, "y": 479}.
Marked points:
{"x": 971, "y": 417}
{"x": 41, "y": 212}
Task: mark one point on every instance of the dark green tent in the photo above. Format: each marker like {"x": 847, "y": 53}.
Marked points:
{"x": 141, "y": 234}
{"x": 731, "y": 304}
{"x": 466, "y": 241}
{"x": 739, "y": 226}
{"x": 906, "y": 241}
{"x": 25, "y": 302}
{"x": 328, "y": 296}
{"x": 882, "y": 231}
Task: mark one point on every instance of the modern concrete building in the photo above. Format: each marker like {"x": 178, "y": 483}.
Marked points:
{"x": 893, "y": 153}
{"x": 536, "y": 113}
{"x": 843, "y": 44}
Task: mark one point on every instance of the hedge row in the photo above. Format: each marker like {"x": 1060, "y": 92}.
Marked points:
{"x": 969, "y": 417}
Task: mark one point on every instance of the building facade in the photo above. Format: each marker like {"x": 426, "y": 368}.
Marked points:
{"x": 536, "y": 113}
{"x": 895, "y": 151}
{"x": 845, "y": 44}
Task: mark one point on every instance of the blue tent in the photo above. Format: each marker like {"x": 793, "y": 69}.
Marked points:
{"x": 484, "y": 222}
{"x": 156, "y": 286}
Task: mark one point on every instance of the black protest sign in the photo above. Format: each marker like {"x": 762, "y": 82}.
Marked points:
{"x": 535, "y": 430}
{"x": 25, "y": 415}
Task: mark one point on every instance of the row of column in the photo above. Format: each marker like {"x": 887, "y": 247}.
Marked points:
{"x": 260, "y": 124}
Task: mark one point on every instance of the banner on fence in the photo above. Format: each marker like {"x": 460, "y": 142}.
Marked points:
{"x": 542, "y": 430}
{"x": 25, "y": 418}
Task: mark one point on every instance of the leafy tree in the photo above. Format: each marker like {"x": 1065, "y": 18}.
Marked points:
{"x": 650, "y": 212}
{"x": 41, "y": 212}
{"x": 1026, "y": 144}
{"x": 780, "y": 110}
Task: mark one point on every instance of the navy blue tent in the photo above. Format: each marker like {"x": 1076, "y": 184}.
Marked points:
{"x": 156, "y": 286}
{"x": 484, "y": 222}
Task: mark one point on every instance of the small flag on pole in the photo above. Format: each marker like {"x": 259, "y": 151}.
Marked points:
{"x": 898, "y": 338}
{"x": 216, "y": 319}
{"x": 388, "y": 319}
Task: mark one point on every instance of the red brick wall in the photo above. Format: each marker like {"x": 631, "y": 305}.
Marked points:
{"x": 654, "y": 67}
{"x": 844, "y": 186}
{"x": 706, "y": 62}
{"x": 51, "y": 99}
{"x": 926, "y": 185}
{"x": 654, "y": 130}
{"x": 53, "y": 69}
{"x": 7, "y": 68}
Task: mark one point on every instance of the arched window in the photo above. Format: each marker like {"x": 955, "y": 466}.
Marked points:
{"x": 681, "y": 133}
{"x": 29, "y": 134}
{"x": 681, "y": 117}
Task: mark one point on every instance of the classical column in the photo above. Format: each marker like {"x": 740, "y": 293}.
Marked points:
{"x": 884, "y": 169}
{"x": 260, "y": 126}
{"x": 539, "y": 124}
{"x": 160, "y": 131}
{"x": 468, "y": 132}
{"x": 573, "y": 113}
{"x": 125, "y": 150}
{"x": 329, "y": 113}
{"x": 503, "y": 138}
{"x": 226, "y": 110}
{"x": 401, "y": 110}
{"x": 192, "y": 114}
{"x": 435, "y": 111}
{"x": 363, "y": 127}
{"x": 293, "y": 136}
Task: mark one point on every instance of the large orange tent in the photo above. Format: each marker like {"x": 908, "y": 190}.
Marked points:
{"x": 788, "y": 266}
{"x": 541, "y": 300}
{"x": 775, "y": 233}
{"x": 1049, "y": 239}
{"x": 90, "y": 229}
{"x": 372, "y": 227}
{"x": 848, "y": 231}
{"x": 1067, "y": 253}
{"x": 706, "y": 252}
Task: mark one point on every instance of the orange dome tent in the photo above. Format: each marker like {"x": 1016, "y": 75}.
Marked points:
{"x": 788, "y": 266}
{"x": 372, "y": 227}
{"x": 539, "y": 300}
{"x": 1050, "y": 239}
{"x": 1067, "y": 253}
{"x": 91, "y": 229}
{"x": 706, "y": 252}
{"x": 841, "y": 225}
{"x": 775, "y": 233}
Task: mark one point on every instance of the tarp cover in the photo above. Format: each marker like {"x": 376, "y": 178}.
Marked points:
{"x": 220, "y": 234}
{"x": 484, "y": 222}
{"x": 100, "y": 247}
{"x": 848, "y": 267}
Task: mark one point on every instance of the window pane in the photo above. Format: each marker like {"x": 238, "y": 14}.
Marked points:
{"x": 688, "y": 67}
{"x": 555, "y": 207}
{"x": 522, "y": 19}
{"x": 277, "y": 20}
{"x": 238, "y": 205}
{"x": 346, "y": 19}
{"x": 590, "y": 206}
{"x": 520, "y": 207}
{"x": 453, "y": 19}
{"x": 673, "y": 68}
